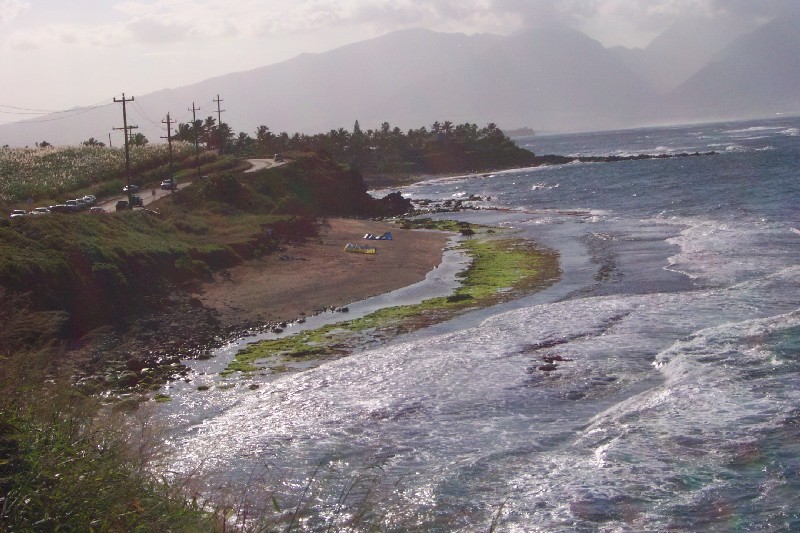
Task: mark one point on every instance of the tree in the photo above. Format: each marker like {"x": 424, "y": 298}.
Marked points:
{"x": 243, "y": 141}
{"x": 226, "y": 135}
{"x": 183, "y": 133}
{"x": 263, "y": 134}
{"x": 44, "y": 144}
{"x": 138, "y": 139}
{"x": 208, "y": 132}
{"x": 447, "y": 127}
{"x": 92, "y": 142}
{"x": 197, "y": 131}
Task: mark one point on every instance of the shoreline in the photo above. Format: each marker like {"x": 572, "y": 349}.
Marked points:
{"x": 302, "y": 279}
{"x": 298, "y": 281}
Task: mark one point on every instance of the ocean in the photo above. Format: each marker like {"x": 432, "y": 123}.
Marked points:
{"x": 674, "y": 330}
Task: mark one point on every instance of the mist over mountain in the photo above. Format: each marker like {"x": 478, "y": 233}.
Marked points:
{"x": 555, "y": 79}
{"x": 683, "y": 49}
{"x": 756, "y": 76}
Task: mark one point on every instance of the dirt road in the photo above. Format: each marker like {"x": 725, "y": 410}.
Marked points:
{"x": 149, "y": 196}
{"x": 259, "y": 164}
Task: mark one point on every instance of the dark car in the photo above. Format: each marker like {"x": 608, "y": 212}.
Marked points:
{"x": 136, "y": 201}
{"x": 130, "y": 188}
{"x": 122, "y": 204}
{"x": 169, "y": 184}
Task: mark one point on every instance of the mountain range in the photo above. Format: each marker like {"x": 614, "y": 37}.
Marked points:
{"x": 555, "y": 79}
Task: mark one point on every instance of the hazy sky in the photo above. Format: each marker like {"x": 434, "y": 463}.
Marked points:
{"x": 57, "y": 54}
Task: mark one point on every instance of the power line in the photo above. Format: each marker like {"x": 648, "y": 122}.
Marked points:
{"x": 73, "y": 113}
{"x": 145, "y": 116}
{"x": 34, "y": 111}
{"x": 217, "y": 100}
{"x": 125, "y": 128}
{"x": 194, "y": 111}
{"x": 219, "y": 123}
{"x": 168, "y": 122}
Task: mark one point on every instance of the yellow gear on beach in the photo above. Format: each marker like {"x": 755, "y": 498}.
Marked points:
{"x": 359, "y": 248}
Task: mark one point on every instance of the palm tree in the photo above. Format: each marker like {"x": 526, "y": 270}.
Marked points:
{"x": 243, "y": 141}
{"x": 183, "y": 133}
{"x": 208, "y": 131}
{"x": 224, "y": 135}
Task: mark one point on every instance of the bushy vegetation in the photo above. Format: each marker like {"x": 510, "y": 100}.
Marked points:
{"x": 445, "y": 147}
{"x": 63, "y": 468}
{"x": 98, "y": 269}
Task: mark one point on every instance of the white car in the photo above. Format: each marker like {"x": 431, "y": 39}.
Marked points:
{"x": 90, "y": 199}
{"x": 18, "y": 213}
{"x": 40, "y": 211}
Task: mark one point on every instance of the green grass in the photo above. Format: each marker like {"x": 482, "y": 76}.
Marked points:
{"x": 66, "y": 464}
{"x": 46, "y": 173}
{"x": 64, "y": 472}
{"x": 501, "y": 269}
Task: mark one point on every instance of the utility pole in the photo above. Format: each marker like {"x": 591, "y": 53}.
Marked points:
{"x": 194, "y": 111}
{"x": 219, "y": 122}
{"x": 126, "y": 129}
{"x": 168, "y": 122}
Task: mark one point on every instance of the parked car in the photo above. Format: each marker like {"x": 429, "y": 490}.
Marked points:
{"x": 18, "y": 213}
{"x": 169, "y": 184}
{"x": 122, "y": 204}
{"x": 278, "y": 158}
{"x": 130, "y": 188}
{"x": 59, "y": 208}
{"x": 90, "y": 199}
{"x": 72, "y": 206}
{"x": 136, "y": 201}
{"x": 97, "y": 209}
{"x": 41, "y": 211}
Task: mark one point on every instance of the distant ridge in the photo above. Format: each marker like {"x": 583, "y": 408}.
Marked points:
{"x": 757, "y": 76}
{"x": 548, "y": 80}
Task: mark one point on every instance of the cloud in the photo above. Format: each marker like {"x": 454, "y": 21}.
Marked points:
{"x": 761, "y": 8}
{"x": 156, "y": 22}
{"x": 11, "y": 9}
{"x": 154, "y": 31}
{"x": 64, "y": 35}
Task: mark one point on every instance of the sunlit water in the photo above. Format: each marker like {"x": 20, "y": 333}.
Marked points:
{"x": 675, "y": 334}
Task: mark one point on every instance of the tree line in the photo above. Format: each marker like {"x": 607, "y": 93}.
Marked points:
{"x": 385, "y": 149}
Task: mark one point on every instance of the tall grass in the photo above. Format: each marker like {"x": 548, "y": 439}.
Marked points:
{"x": 49, "y": 172}
{"x": 63, "y": 466}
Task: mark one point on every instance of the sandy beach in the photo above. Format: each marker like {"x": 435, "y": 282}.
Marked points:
{"x": 317, "y": 274}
